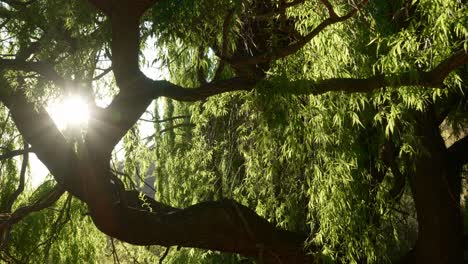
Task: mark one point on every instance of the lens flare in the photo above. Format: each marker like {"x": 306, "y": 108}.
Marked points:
{"x": 70, "y": 112}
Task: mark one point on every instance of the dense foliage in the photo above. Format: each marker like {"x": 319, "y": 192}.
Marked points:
{"x": 339, "y": 165}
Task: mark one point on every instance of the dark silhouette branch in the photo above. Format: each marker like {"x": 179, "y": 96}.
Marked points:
{"x": 134, "y": 7}
{"x": 425, "y": 79}
{"x": 458, "y": 152}
{"x": 165, "y": 119}
{"x": 7, "y": 220}
{"x": 12, "y": 199}
{"x": 57, "y": 225}
{"x": 293, "y": 3}
{"x": 281, "y": 9}
{"x": 115, "y": 256}
{"x": 164, "y": 255}
{"x": 200, "y": 73}
{"x": 290, "y": 49}
{"x": 398, "y": 184}
{"x": 176, "y": 126}
{"x": 331, "y": 11}
{"x": 224, "y": 45}
{"x": 46, "y": 70}
{"x": 223, "y": 225}
{"x": 13, "y": 153}
{"x": 102, "y": 74}
{"x": 48, "y": 143}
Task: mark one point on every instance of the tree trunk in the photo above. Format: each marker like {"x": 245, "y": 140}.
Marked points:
{"x": 437, "y": 198}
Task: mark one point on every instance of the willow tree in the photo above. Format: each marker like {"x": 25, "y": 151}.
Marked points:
{"x": 407, "y": 57}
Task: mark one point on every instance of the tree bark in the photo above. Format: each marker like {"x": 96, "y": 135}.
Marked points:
{"x": 437, "y": 198}
{"x": 225, "y": 225}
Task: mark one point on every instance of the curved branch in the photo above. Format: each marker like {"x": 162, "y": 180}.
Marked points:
{"x": 429, "y": 79}
{"x": 129, "y": 105}
{"x": 225, "y": 225}
{"x": 108, "y": 126}
{"x": 290, "y": 49}
{"x": 46, "y": 201}
{"x": 7, "y": 220}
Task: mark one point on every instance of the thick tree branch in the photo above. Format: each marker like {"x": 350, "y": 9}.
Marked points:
{"x": 428, "y": 79}
{"x": 163, "y": 88}
{"x": 46, "y": 70}
{"x": 225, "y": 225}
{"x": 102, "y": 5}
{"x": 458, "y": 152}
{"x": 107, "y": 127}
{"x": 128, "y": 106}
{"x": 331, "y": 11}
{"x": 134, "y": 7}
{"x": 38, "y": 129}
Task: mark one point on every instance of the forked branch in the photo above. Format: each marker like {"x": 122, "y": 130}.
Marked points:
{"x": 290, "y": 49}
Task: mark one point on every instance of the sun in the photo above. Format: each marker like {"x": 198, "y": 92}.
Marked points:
{"x": 70, "y": 112}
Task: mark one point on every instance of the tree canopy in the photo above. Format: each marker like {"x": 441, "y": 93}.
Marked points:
{"x": 273, "y": 131}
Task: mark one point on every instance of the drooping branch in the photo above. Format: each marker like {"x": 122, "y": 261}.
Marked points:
{"x": 7, "y": 220}
{"x": 12, "y": 199}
